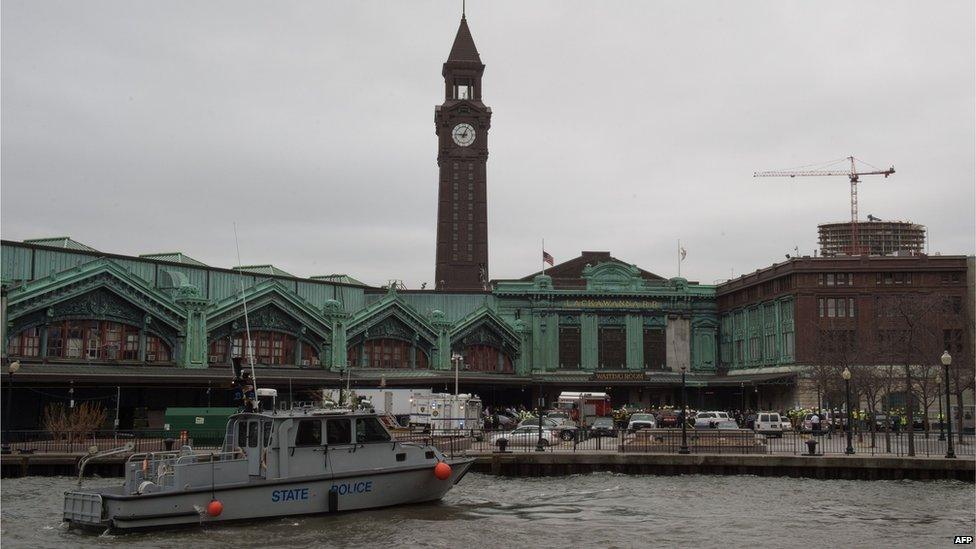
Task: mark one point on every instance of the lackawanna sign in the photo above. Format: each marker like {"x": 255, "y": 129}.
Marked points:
{"x": 609, "y": 304}
{"x": 618, "y": 376}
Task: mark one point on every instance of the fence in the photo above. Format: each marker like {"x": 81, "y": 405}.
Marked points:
{"x": 30, "y": 442}
{"x": 663, "y": 441}
{"x": 698, "y": 441}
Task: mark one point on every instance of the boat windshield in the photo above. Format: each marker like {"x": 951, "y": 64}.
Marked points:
{"x": 369, "y": 429}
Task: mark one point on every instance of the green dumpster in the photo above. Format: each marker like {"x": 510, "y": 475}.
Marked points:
{"x": 204, "y": 426}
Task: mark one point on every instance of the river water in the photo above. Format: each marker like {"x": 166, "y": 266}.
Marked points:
{"x": 598, "y": 510}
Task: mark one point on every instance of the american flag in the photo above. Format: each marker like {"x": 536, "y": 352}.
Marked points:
{"x": 546, "y": 258}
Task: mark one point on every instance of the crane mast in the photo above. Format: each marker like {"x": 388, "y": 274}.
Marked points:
{"x": 852, "y": 174}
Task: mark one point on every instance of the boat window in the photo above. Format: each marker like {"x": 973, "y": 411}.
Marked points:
{"x": 338, "y": 431}
{"x": 252, "y": 434}
{"x": 241, "y": 434}
{"x": 368, "y": 429}
{"x": 309, "y": 433}
{"x": 266, "y": 427}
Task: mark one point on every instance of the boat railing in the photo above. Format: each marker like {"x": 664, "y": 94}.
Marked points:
{"x": 156, "y": 467}
{"x": 211, "y": 456}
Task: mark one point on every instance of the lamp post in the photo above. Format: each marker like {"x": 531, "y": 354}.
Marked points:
{"x": 540, "y": 444}
{"x": 684, "y": 422}
{"x": 938, "y": 381}
{"x": 11, "y": 370}
{"x": 846, "y": 374}
{"x": 946, "y": 359}
{"x": 742, "y": 389}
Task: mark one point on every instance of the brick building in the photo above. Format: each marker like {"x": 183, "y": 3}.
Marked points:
{"x": 789, "y": 315}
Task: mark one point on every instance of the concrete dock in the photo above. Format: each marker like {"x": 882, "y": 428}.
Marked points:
{"x": 555, "y": 464}
{"x": 821, "y": 467}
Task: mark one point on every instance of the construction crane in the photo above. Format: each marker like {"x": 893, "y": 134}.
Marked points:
{"x": 826, "y": 170}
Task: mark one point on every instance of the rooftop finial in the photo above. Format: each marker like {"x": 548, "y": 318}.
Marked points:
{"x": 463, "y": 8}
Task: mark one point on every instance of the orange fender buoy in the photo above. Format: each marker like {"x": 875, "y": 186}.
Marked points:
{"x": 215, "y": 508}
{"x": 442, "y": 471}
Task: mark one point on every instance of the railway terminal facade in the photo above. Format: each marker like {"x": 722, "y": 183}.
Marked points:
{"x": 144, "y": 333}
{"x": 160, "y": 330}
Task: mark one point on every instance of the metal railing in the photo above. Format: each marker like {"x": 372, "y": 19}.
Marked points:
{"x": 466, "y": 441}
{"x": 68, "y": 442}
{"x": 699, "y": 441}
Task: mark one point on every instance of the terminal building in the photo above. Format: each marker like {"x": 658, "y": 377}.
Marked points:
{"x": 144, "y": 333}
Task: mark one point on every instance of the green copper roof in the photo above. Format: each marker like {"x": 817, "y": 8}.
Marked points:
{"x": 263, "y": 269}
{"x": 344, "y": 278}
{"x": 174, "y": 257}
{"x": 61, "y": 242}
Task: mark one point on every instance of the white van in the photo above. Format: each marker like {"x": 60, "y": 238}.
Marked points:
{"x": 769, "y": 423}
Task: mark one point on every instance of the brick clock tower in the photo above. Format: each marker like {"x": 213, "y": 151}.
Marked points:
{"x": 461, "y": 124}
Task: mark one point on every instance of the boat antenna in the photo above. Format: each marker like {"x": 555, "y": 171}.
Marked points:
{"x": 247, "y": 324}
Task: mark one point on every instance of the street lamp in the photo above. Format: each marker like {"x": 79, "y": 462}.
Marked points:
{"x": 946, "y": 359}
{"x": 684, "y": 422}
{"x": 540, "y": 445}
{"x": 742, "y": 389}
{"x": 938, "y": 381}
{"x": 11, "y": 370}
{"x": 846, "y": 374}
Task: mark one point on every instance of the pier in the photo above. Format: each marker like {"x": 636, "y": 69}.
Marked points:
{"x": 531, "y": 464}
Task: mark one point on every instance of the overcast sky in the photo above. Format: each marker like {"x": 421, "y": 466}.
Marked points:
{"x": 139, "y": 127}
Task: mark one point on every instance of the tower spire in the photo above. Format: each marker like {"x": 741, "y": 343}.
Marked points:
{"x": 464, "y": 49}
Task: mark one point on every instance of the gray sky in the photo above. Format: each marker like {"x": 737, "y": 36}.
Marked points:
{"x": 139, "y": 127}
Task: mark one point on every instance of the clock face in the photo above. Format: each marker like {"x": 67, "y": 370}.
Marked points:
{"x": 463, "y": 134}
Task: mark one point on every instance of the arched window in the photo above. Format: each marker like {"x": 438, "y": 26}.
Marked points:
{"x": 386, "y": 353}
{"x": 218, "y": 351}
{"x": 273, "y": 348}
{"x": 98, "y": 340}
{"x": 156, "y": 350}
{"x": 27, "y": 343}
{"x": 269, "y": 348}
{"x": 310, "y": 357}
{"x": 485, "y": 358}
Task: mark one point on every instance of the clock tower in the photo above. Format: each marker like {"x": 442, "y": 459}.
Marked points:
{"x": 461, "y": 124}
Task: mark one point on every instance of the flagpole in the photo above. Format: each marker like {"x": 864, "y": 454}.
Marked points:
{"x": 679, "y": 258}
{"x": 543, "y": 256}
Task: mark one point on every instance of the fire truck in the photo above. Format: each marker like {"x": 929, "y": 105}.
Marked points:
{"x": 584, "y": 407}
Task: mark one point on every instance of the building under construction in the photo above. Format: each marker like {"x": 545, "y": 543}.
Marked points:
{"x": 875, "y": 237}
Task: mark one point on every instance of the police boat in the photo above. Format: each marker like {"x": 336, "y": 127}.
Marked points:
{"x": 305, "y": 460}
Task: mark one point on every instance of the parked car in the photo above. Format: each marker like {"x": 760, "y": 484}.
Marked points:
{"x": 641, "y": 421}
{"x": 526, "y": 436}
{"x": 706, "y": 419}
{"x": 787, "y": 424}
{"x": 564, "y": 427}
{"x": 504, "y": 421}
{"x": 769, "y": 423}
{"x": 603, "y": 427}
{"x": 534, "y": 421}
{"x": 724, "y": 425}
{"x": 669, "y": 419}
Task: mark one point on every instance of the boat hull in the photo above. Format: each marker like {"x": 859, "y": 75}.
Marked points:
{"x": 265, "y": 499}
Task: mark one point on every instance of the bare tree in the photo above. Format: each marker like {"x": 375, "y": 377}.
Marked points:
{"x": 870, "y": 382}
{"x": 836, "y": 347}
{"x": 926, "y": 387}
{"x": 888, "y": 380}
{"x": 959, "y": 328}
{"x": 910, "y": 326}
